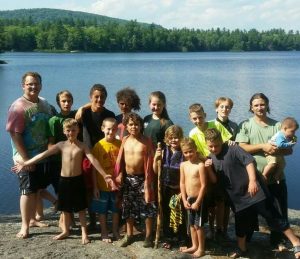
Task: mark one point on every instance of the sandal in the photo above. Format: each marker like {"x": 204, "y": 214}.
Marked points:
{"x": 296, "y": 250}
{"x": 238, "y": 253}
{"x": 148, "y": 243}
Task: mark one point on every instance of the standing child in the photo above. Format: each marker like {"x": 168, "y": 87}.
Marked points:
{"x": 223, "y": 107}
{"x": 128, "y": 100}
{"x": 171, "y": 156}
{"x": 134, "y": 169}
{"x": 285, "y": 138}
{"x": 155, "y": 124}
{"x": 198, "y": 117}
{"x": 192, "y": 188}
{"x": 239, "y": 177}
{"x": 71, "y": 190}
{"x": 64, "y": 100}
{"x": 106, "y": 151}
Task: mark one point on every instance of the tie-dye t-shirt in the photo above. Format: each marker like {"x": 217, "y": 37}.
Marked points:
{"x": 31, "y": 120}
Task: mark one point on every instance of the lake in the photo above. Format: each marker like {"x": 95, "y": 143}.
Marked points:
{"x": 185, "y": 78}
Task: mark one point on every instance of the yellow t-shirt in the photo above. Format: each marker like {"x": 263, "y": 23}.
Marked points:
{"x": 198, "y": 136}
{"x": 106, "y": 153}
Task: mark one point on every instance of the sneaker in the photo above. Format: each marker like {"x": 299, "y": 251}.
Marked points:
{"x": 148, "y": 242}
{"x": 126, "y": 241}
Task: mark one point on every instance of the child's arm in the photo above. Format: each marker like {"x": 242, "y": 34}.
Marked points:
{"x": 21, "y": 164}
{"x": 202, "y": 176}
{"x": 99, "y": 168}
{"x": 182, "y": 188}
{"x": 252, "y": 187}
{"x": 157, "y": 158}
{"x": 79, "y": 112}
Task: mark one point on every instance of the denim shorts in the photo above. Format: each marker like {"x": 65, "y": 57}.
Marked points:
{"x": 106, "y": 202}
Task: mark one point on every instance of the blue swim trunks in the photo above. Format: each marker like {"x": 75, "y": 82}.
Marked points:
{"x": 106, "y": 202}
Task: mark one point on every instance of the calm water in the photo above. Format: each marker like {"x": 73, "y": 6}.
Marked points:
{"x": 185, "y": 78}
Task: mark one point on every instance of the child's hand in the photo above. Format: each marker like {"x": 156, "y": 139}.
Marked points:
{"x": 158, "y": 152}
{"x": 96, "y": 193}
{"x": 17, "y": 168}
{"x": 118, "y": 179}
{"x": 252, "y": 188}
{"x": 195, "y": 206}
{"x": 208, "y": 162}
{"x": 186, "y": 204}
{"x": 111, "y": 183}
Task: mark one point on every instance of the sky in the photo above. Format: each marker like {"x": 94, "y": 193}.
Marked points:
{"x": 198, "y": 14}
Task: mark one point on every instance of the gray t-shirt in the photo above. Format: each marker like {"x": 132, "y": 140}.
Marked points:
{"x": 230, "y": 166}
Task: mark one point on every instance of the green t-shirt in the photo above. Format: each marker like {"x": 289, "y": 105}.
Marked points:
{"x": 154, "y": 130}
{"x": 198, "y": 136}
{"x": 251, "y": 132}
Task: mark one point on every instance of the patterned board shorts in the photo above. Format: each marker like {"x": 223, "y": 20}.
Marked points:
{"x": 133, "y": 202}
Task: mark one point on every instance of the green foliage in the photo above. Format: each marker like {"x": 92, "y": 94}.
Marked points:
{"x": 59, "y": 30}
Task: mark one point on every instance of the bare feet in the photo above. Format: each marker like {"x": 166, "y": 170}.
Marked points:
{"x": 22, "y": 235}
{"x": 34, "y": 223}
{"x": 61, "y": 236}
{"x": 106, "y": 240}
{"x": 85, "y": 240}
{"x": 190, "y": 250}
{"x": 198, "y": 254}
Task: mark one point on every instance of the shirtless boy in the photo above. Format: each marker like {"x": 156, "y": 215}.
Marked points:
{"x": 192, "y": 188}
{"x": 71, "y": 189}
{"x": 134, "y": 169}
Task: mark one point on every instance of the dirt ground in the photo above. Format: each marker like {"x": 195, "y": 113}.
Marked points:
{"x": 41, "y": 245}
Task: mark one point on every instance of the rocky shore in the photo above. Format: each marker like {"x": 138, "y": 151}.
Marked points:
{"x": 41, "y": 245}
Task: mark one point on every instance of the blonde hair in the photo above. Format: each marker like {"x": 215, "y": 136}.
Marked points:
{"x": 173, "y": 130}
{"x": 109, "y": 119}
{"x": 188, "y": 142}
{"x": 196, "y": 107}
{"x": 223, "y": 99}
{"x": 70, "y": 122}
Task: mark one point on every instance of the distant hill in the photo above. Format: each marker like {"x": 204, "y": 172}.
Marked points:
{"x": 37, "y": 15}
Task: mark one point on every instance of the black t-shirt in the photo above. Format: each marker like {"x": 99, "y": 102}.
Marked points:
{"x": 92, "y": 122}
{"x": 230, "y": 166}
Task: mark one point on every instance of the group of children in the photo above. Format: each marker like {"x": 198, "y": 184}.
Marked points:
{"x": 208, "y": 170}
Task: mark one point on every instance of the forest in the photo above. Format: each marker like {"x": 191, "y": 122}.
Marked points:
{"x": 77, "y": 33}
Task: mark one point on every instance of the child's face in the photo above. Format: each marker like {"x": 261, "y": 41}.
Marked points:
{"x": 65, "y": 103}
{"x": 173, "y": 141}
{"x": 156, "y": 106}
{"x": 214, "y": 147}
{"x": 124, "y": 106}
{"x": 198, "y": 118}
{"x": 290, "y": 132}
{"x": 189, "y": 153}
{"x": 133, "y": 128}
{"x": 109, "y": 129}
{"x": 71, "y": 132}
{"x": 97, "y": 100}
{"x": 223, "y": 110}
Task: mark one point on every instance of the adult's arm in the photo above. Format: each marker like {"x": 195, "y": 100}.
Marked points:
{"x": 262, "y": 147}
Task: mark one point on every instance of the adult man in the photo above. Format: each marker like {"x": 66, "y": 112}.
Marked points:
{"x": 27, "y": 125}
{"x": 253, "y": 137}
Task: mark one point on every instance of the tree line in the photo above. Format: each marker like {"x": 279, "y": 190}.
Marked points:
{"x": 23, "y": 35}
